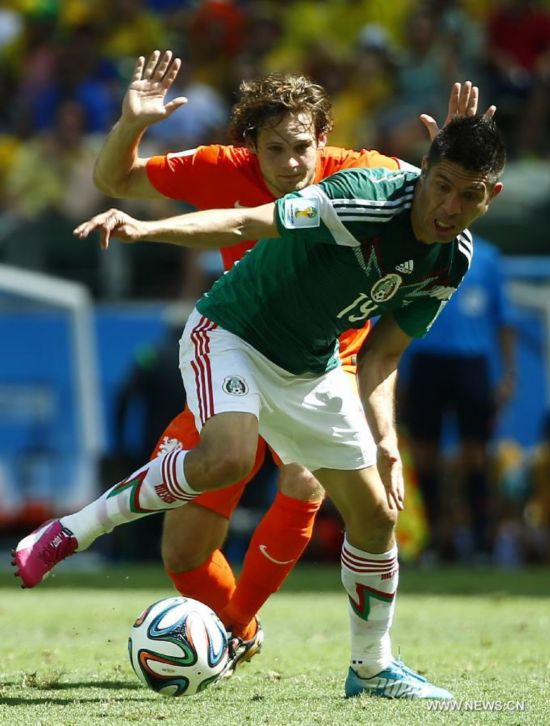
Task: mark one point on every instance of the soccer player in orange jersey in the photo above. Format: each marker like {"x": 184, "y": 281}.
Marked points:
{"x": 279, "y": 126}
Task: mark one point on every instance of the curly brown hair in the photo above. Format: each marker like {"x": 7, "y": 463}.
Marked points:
{"x": 267, "y": 100}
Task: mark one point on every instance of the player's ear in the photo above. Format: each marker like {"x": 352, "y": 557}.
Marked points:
{"x": 495, "y": 191}
{"x": 250, "y": 143}
{"x": 322, "y": 141}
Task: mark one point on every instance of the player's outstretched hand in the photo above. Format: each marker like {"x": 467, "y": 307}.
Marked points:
{"x": 390, "y": 469}
{"x": 463, "y": 101}
{"x": 113, "y": 223}
{"x": 144, "y": 101}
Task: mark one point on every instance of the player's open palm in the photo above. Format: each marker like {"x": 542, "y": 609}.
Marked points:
{"x": 463, "y": 101}
{"x": 145, "y": 99}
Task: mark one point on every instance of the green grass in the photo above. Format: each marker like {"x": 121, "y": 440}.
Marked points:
{"x": 481, "y": 634}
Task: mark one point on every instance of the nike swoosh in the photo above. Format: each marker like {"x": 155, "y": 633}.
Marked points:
{"x": 265, "y": 553}
{"x": 238, "y": 205}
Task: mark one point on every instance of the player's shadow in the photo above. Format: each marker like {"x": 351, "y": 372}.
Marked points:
{"x": 66, "y": 685}
{"x": 21, "y": 701}
{"x": 118, "y": 685}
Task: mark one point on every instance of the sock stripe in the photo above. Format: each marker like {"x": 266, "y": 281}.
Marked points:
{"x": 169, "y": 476}
{"x": 201, "y": 367}
{"x": 169, "y": 472}
{"x": 361, "y": 558}
{"x": 363, "y": 565}
{"x": 361, "y": 561}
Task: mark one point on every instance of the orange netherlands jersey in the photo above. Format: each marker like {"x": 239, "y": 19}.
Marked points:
{"x": 221, "y": 177}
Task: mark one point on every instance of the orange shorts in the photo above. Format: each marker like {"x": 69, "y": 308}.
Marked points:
{"x": 181, "y": 432}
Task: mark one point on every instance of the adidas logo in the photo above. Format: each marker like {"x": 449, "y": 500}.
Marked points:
{"x": 405, "y": 267}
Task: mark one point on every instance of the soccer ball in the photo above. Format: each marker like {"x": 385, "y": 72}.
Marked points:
{"x": 178, "y": 646}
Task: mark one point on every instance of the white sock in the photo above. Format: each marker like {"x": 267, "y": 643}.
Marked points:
{"x": 159, "y": 485}
{"x": 371, "y": 583}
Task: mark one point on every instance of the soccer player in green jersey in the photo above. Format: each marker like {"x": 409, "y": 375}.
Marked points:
{"x": 258, "y": 355}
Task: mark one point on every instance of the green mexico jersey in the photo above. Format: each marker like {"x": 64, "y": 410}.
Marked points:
{"x": 346, "y": 253}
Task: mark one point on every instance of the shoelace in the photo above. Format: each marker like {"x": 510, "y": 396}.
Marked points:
{"x": 408, "y": 671}
{"x": 235, "y": 644}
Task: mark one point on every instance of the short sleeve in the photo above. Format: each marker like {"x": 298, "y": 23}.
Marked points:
{"x": 327, "y": 212}
{"x": 417, "y": 318}
{"x": 195, "y": 176}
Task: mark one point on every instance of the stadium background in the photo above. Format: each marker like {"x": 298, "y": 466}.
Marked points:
{"x": 64, "y": 66}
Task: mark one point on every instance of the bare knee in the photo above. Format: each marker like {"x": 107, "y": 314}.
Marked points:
{"x": 208, "y": 467}
{"x": 383, "y": 519}
{"x": 225, "y": 454}
{"x": 299, "y": 483}
{"x": 180, "y": 559}
{"x": 375, "y": 532}
{"x": 176, "y": 559}
{"x": 361, "y": 499}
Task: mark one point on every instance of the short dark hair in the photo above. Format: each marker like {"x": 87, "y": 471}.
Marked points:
{"x": 473, "y": 142}
{"x": 267, "y": 100}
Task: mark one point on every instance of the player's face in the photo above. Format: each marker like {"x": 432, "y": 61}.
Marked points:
{"x": 287, "y": 153}
{"x": 448, "y": 199}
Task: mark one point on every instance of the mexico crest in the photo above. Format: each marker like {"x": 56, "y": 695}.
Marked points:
{"x": 235, "y": 386}
{"x": 385, "y": 288}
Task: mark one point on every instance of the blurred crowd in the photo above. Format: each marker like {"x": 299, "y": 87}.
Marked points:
{"x": 64, "y": 66}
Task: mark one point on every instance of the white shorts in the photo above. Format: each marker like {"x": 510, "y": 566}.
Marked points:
{"x": 316, "y": 421}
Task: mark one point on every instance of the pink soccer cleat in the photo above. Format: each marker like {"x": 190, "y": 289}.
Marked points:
{"x": 41, "y": 550}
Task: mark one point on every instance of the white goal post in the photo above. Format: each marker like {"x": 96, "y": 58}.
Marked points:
{"x": 75, "y": 300}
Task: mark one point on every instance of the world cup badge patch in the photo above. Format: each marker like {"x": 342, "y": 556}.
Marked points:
{"x": 300, "y": 213}
{"x": 235, "y": 386}
{"x": 385, "y": 288}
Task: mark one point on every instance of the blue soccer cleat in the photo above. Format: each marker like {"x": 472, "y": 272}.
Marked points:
{"x": 395, "y": 681}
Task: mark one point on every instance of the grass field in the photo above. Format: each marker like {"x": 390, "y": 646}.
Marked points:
{"x": 481, "y": 634}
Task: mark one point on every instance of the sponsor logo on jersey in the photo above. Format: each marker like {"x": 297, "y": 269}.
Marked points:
{"x": 235, "y": 386}
{"x": 301, "y": 213}
{"x": 385, "y": 288}
{"x": 405, "y": 267}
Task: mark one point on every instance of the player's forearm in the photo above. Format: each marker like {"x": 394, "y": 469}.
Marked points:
{"x": 377, "y": 379}
{"x": 377, "y": 374}
{"x": 118, "y": 158}
{"x": 206, "y": 230}
{"x": 213, "y": 228}
{"x": 209, "y": 229}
